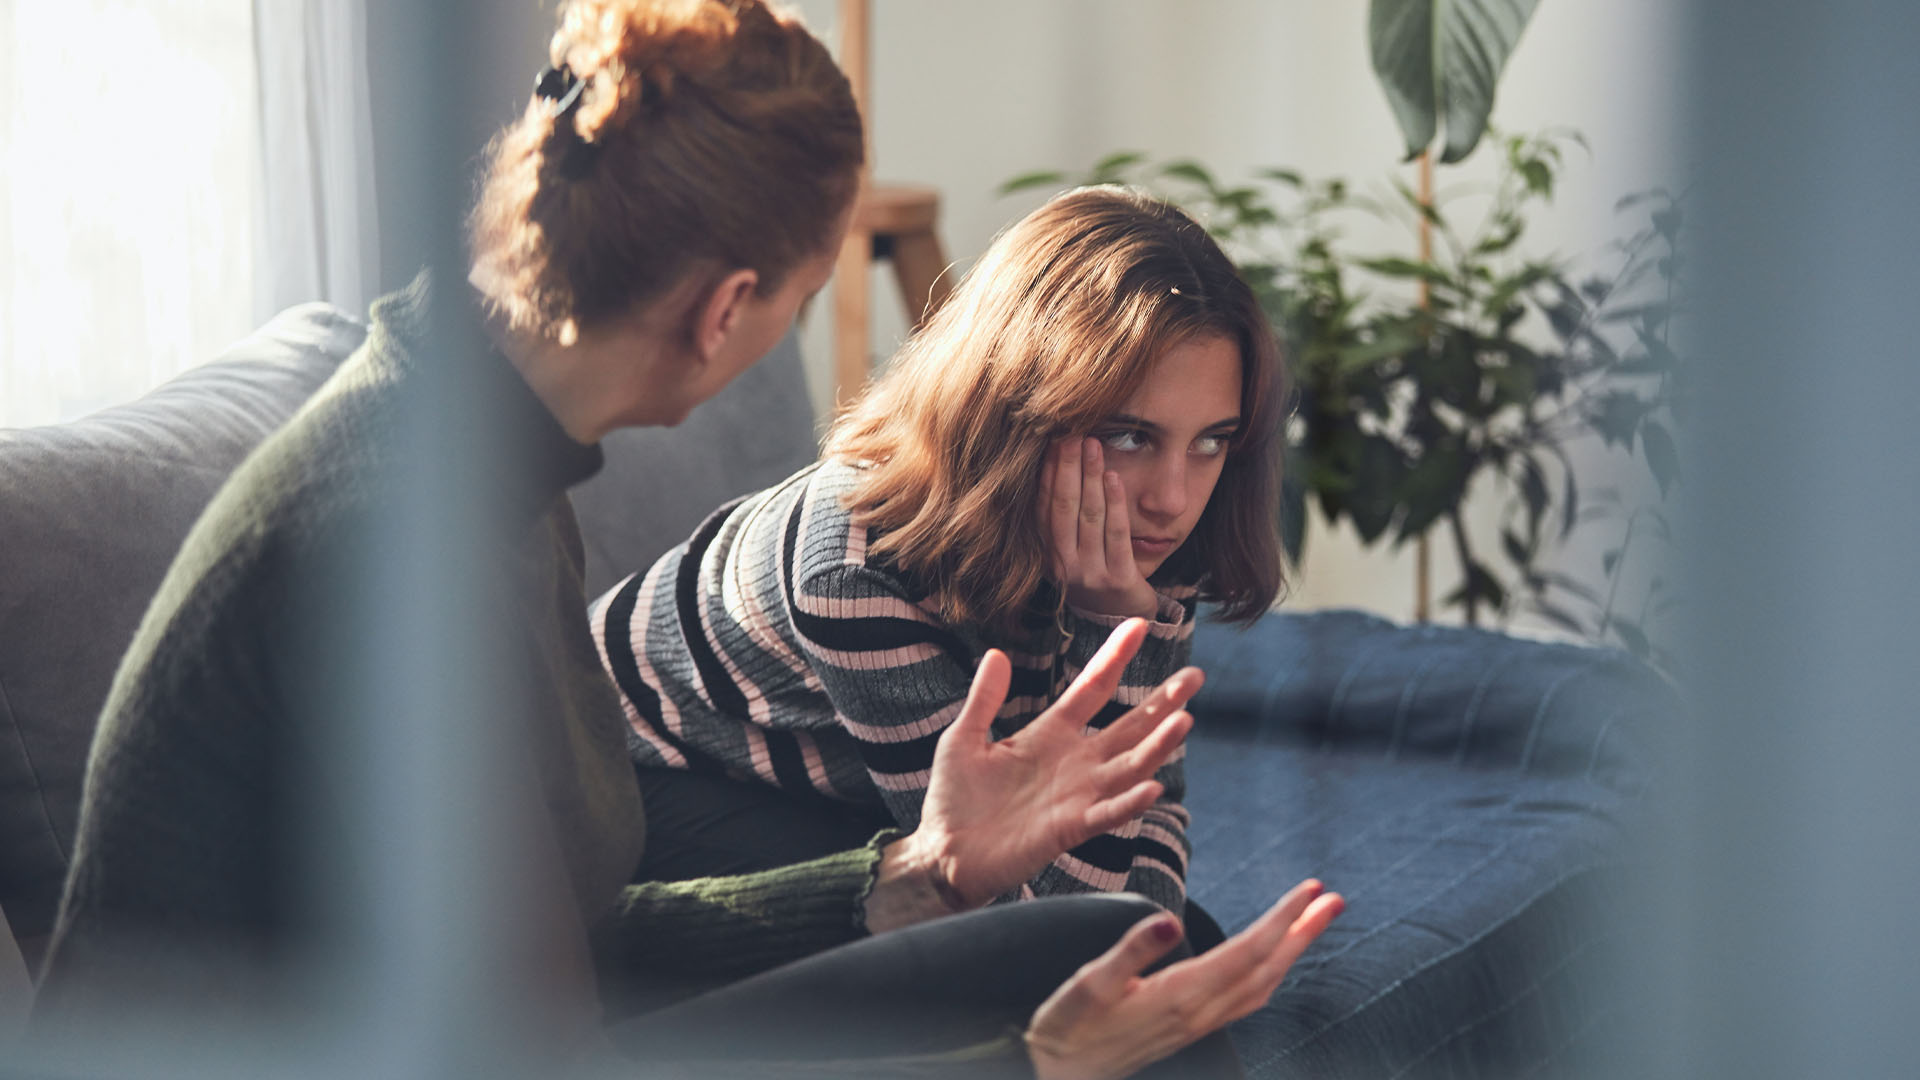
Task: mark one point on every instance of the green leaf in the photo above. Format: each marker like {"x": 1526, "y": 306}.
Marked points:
{"x": 1433, "y": 488}
{"x": 1538, "y": 177}
{"x": 1571, "y": 513}
{"x": 1617, "y": 416}
{"x": 1516, "y": 548}
{"x": 1633, "y": 637}
{"x": 1572, "y": 585}
{"x": 1375, "y": 494}
{"x": 1424, "y": 209}
{"x": 1190, "y": 170}
{"x": 1363, "y": 355}
{"x": 1114, "y": 162}
{"x": 1650, "y": 315}
{"x": 1293, "y": 504}
{"x": 1559, "y": 616}
{"x": 1662, "y": 457}
{"x": 1285, "y": 176}
{"x": 1633, "y": 199}
{"x": 1503, "y": 237}
{"x": 1533, "y": 488}
{"x": 1395, "y": 267}
{"x": 1440, "y": 59}
{"x": 1041, "y": 178}
{"x": 1481, "y": 585}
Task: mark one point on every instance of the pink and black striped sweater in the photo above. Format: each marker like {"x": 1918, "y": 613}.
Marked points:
{"x": 769, "y": 646}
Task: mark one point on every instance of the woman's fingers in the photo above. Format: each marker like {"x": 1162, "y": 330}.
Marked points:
{"x": 1173, "y": 693}
{"x": 984, "y": 698}
{"x": 1106, "y": 977}
{"x": 1257, "y": 987}
{"x": 1145, "y": 757}
{"x": 1098, "y": 680}
{"x": 1108, "y": 815}
{"x": 1232, "y": 961}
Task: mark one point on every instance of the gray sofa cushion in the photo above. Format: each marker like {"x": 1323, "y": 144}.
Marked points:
{"x": 91, "y": 513}
{"x": 660, "y": 482}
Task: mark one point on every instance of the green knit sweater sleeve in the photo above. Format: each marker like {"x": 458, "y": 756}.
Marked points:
{"x": 743, "y": 924}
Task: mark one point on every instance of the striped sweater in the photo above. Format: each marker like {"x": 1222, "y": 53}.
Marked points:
{"x": 770, "y": 647}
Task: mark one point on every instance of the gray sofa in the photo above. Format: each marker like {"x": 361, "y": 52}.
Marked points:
{"x": 1474, "y": 796}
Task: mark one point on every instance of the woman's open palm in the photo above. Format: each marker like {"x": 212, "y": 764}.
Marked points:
{"x": 1000, "y": 811}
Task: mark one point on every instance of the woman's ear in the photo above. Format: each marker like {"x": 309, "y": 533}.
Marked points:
{"x": 719, "y": 315}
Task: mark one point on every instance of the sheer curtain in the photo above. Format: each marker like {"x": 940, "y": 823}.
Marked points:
{"x": 174, "y": 171}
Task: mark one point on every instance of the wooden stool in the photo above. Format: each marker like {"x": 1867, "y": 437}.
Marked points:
{"x": 890, "y": 221}
{"x": 893, "y": 222}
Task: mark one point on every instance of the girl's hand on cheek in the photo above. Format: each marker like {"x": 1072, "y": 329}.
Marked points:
{"x": 1083, "y": 513}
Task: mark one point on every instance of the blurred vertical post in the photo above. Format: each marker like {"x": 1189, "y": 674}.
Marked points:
{"x": 1799, "y": 868}
{"x": 430, "y": 910}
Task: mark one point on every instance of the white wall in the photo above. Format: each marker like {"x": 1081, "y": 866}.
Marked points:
{"x": 967, "y": 95}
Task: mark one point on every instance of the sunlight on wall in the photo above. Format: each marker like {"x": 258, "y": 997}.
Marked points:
{"x": 126, "y": 220}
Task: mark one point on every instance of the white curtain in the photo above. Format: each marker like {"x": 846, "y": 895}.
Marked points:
{"x": 174, "y": 170}
{"x": 317, "y": 237}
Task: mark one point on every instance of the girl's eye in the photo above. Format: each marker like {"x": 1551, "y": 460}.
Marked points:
{"x": 1124, "y": 442}
{"x": 1211, "y": 445}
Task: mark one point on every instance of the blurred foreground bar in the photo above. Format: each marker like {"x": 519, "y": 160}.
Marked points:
{"x": 1793, "y": 888}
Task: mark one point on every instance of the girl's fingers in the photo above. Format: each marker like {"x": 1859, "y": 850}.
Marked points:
{"x": 1049, "y": 529}
{"x": 1064, "y": 511}
{"x": 1118, "y": 540}
{"x": 1093, "y": 510}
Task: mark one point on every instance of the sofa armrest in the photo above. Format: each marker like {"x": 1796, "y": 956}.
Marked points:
{"x": 1475, "y": 698}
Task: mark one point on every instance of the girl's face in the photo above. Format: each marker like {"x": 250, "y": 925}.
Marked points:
{"x": 1169, "y": 442}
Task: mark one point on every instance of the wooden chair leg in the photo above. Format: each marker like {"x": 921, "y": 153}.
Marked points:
{"x": 851, "y": 304}
{"x": 920, "y": 267}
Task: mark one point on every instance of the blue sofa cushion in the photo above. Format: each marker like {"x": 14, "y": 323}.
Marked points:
{"x": 1475, "y": 797}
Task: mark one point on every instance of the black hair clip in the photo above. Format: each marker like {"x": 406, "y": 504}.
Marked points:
{"x": 562, "y": 87}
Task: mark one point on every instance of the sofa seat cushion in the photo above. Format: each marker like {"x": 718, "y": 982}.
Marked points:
{"x": 91, "y": 513}
{"x": 1476, "y": 799}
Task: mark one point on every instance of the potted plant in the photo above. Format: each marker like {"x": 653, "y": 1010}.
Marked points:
{"x": 1421, "y": 380}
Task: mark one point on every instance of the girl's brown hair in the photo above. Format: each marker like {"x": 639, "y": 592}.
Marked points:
{"x": 1051, "y": 332}
{"x": 707, "y": 132}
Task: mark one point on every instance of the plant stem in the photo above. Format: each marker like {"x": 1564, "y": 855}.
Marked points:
{"x": 1466, "y": 567}
{"x": 1422, "y": 550}
{"x": 1613, "y": 587}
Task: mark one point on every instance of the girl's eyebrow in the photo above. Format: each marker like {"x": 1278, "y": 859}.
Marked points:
{"x": 1130, "y": 420}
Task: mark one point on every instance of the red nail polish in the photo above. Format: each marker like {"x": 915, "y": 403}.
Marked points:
{"x": 1166, "y": 930}
{"x": 1339, "y": 907}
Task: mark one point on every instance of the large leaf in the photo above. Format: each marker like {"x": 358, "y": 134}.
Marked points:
{"x": 1440, "y": 59}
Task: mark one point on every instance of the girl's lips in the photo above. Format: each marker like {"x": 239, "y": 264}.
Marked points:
{"x": 1153, "y": 544}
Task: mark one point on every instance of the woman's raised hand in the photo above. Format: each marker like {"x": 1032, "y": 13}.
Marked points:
{"x": 997, "y": 813}
{"x": 1083, "y": 511}
{"x": 1108, "y": 1020}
